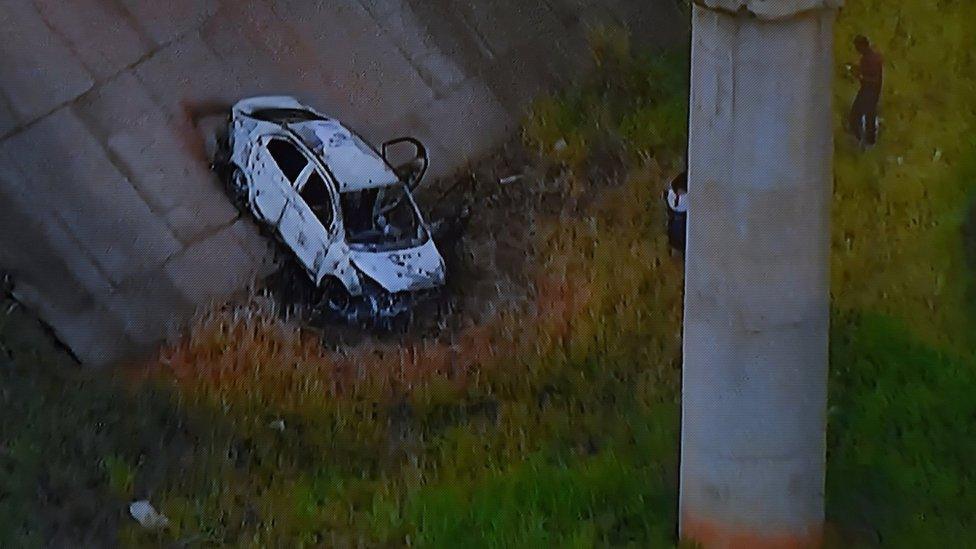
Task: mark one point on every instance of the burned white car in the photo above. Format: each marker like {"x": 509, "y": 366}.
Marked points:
{"x": 336, "y": 203}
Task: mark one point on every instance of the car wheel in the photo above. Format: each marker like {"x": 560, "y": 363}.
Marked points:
{"x": 335, "y": 301}
{"x": 238, "y": 189}
{"x": 401, "y": 323}
{"x": 221, "y": 155}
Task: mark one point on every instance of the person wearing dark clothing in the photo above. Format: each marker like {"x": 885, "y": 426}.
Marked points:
{"x": 864, "y": 111}
{"x": 677, "y": 203}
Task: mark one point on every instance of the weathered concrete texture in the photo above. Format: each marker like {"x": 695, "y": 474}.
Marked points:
{"x": 38, "y": 71}
{"x": 8, "y": 119}
{"x": 154, "y": 154}
{"x": 186, "y": 70}
{"x": 123, "y": 230}
{"x": 54, "y": 276}
{"x": 164, "y": 21}
{"x": 102, "y": 35}
{"x": 213, "y": 268}
{"x": 368, "y": 89}
{"x": 65, "y": 168}
{"x": 757, "y": 280}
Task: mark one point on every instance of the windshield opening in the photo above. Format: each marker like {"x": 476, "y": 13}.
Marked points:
{"x": 382, "y": 219}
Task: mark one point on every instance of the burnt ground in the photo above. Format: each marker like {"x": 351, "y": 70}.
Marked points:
{"x": 490, "y": 210}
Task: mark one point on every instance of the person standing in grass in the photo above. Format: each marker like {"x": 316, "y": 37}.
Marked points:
{"x": 864, "y": 112}
{"x": 677, "y": 202}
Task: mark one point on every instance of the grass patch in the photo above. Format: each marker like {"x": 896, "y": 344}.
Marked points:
{"x": 600, "y": 500}
{"x": 901, "y": 437}
{"x": 551, "y": 394}
{"x": 899, "y": 208}
{"x": 631, "y": 106}
{"x": 76, "y": 448}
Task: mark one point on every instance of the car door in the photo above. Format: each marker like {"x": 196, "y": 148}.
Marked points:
{"x": 318, "y": 198}
{"x": 309, "y": 232}
{"x": 297, "y": 225}
{"x": 271, "y": 185}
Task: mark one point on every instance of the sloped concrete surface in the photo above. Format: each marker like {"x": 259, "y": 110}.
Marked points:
{"x": 112, "y": 226}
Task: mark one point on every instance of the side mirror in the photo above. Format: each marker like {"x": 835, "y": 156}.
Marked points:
{"x": 412, "y": 169}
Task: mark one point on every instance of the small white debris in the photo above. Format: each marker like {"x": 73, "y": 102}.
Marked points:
{"x": 147, "y": 516}
{"x": 560, "y": 145}
{"x": 510, "y": 179}
{"x": 278, "y": 425}
{"x": 900, "y": 160}
{"x": 937, "y": 155}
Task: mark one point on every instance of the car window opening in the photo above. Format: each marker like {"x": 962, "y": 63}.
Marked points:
{"x": 382, "y": 219}
{"x": 316, "y": 195}
{"x": 288, "y": 157}
{"x": 284, "y": 115}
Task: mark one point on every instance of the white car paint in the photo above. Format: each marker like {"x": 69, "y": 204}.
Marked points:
{"x": 402, "y": 270}
{"x": 346, "y": 164}
{"x": 355, "y": 165}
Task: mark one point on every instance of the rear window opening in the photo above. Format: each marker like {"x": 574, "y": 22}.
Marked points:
{"x": 290, "y": 160}
{"x": 284, "y": 115}
{"x": 382, "y": 219}
{"x": 316, "y": 195}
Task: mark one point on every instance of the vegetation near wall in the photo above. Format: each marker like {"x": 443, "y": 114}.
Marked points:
{"x": 556, "y": 424}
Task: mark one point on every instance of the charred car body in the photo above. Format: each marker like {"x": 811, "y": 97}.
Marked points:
{"x": 348, "y": 216}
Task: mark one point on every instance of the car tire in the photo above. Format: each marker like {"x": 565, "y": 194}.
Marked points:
{"x": 335, "y": 301}
{"x": 221, "y": 155}
{"x": 237, "y": 188}
{"x": 400, "y": 324}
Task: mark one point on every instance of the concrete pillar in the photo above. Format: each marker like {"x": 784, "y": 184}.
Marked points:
{"x": 757, "y": 273}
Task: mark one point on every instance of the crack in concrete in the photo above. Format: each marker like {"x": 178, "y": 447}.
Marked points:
{"x": 436, "y": 90}
{"x": 7, "y": 105}
{"x": 123, "y": 11}
{"x": 20, "y": 128}
{"x": 189, "y": 243}
{"x": 68, "y": 44}
{"x": 126, "y": 173}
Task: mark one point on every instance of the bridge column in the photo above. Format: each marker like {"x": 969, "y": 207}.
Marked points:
{"x": 757, "y": 273}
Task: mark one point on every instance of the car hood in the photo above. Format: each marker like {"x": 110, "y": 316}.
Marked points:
{"x": 411, "y": 269}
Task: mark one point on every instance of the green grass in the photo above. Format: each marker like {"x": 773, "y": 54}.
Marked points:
{"x": 76, "y": 448}
{"x": 902, "y": 355}
{"x": 605, "y": 499}
{"x": 901, "y": 437}
{"x": 899, "y": 208}
{"x": 635, "y": 102}
{"x": 563, "y": 433}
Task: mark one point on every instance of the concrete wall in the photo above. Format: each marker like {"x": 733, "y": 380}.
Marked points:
{"x": 110, "y": 223}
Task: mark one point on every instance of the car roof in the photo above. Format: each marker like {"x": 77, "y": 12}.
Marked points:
{"x": 355, "y": 165}
{"x": 353, "y": 162}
